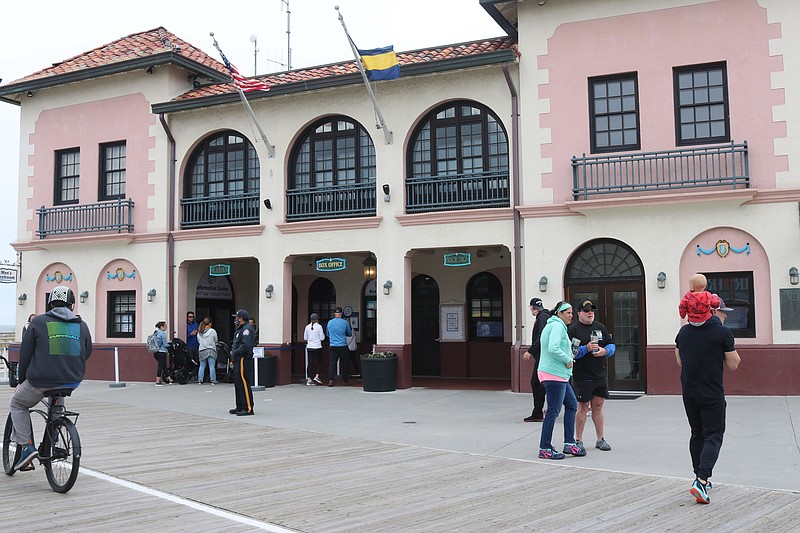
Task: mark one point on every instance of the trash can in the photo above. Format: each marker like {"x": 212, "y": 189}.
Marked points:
{"x": 267, "y": 366}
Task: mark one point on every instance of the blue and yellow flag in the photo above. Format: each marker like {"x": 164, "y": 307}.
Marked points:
{"x": 380, "y": 63}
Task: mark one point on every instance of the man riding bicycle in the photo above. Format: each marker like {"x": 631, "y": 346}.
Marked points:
{"x": 53, "y": 355}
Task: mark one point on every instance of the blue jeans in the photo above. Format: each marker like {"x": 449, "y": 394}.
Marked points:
{"x": 558, "y": 393}
{"x": 212, "y": 369}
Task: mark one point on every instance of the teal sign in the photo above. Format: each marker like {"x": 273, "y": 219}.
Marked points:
{"x": 331, "y": 264}
{"x": 219, "y": 270}
{"x": 459, "y": 259}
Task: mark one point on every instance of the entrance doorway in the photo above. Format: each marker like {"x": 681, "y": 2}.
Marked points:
{"x": 214, "y": 298}
{"x": 610, "y": 274}
{"x": 425, "y": 354}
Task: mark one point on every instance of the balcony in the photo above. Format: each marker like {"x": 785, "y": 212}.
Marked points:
{"x": 114, "y": 215}
{"x": 457, "y": 191}
{"x": 710, "y": 166}
{"x": 216, "y": 211}
{"x": 341, "y": 201}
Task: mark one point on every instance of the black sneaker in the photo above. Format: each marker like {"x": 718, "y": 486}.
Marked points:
{"x": 700, "y": 492}
{"x": 233, "y": 411}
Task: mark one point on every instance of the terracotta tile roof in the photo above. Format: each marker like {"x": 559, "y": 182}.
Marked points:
{"x": 135, "y": 46}
{"x": 425, "y": 55}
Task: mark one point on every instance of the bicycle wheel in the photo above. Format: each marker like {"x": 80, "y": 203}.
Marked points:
{"x": 11, "y": 451}
{"x": 62, "y": 450}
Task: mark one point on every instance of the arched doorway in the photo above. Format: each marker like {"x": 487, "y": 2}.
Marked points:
{"x": 610, "y": 274}
{"x": 425, "y": 354}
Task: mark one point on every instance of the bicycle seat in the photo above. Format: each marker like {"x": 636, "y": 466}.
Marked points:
{"x": 58, "y": 393}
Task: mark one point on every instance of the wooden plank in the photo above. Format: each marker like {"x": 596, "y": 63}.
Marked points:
{"x": 313, "y": 482}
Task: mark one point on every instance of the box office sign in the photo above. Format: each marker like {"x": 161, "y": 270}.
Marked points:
{"x": 458, "y": 259}
{"x": 331, "y": 264}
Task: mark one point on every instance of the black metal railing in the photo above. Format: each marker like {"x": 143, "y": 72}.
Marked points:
{"x": 457, "y": 191}
{"x": 215, "y": 211}
{"x": 720, "y": 165}
{"x": 113, "y": 215}
{"x": 341, "y": 201}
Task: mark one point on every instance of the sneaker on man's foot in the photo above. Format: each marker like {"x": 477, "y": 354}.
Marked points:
{"x": 215, "y": 382}
{"x": 603, "y": 445}
{"x": 700, "y": 492}
{"x": 535, "y": 417}
{"x": 550, "y": 453}
{"x": 309, "y": 383}
{"x": 575, "y": 449}
{"x": 317, "y": 380}
{"x": 29, "y": 453}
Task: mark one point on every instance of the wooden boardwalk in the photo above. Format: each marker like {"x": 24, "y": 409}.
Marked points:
{"x": 244, "y": 476}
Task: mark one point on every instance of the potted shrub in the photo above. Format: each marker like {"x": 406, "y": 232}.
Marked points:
{"x": 379, "y": 371}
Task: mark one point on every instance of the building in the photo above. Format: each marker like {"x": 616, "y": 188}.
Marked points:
{"x": 601, "y": 151}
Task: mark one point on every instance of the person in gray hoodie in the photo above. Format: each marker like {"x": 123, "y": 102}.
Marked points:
{"x": 53, "y": 355}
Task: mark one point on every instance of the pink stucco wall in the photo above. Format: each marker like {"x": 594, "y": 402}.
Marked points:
{"x": 755, "y": 260}
{"x": 86, "y": 126}
{"x": 651, "y": 44}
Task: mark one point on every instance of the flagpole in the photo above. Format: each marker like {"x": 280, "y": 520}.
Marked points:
{"x": 270, "y": 147}
{"x": 381, "y": 123}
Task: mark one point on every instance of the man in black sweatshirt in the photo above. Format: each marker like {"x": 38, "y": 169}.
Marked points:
{"x": 53, "y": 355}
{"x": 540, "y": 319}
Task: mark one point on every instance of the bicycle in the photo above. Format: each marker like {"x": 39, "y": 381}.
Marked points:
{"x": 60, "y": 448}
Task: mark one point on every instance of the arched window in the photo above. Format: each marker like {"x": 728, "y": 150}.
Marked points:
{"x": 223, "y": 164}
{"x": 332, "y": 171}
{"x": 458, "y": 159}
{"x": 604, "y": 259}
{"x": 485, "y": 301}
{"x": 221, "y": 185}
{"x": 322, "y": 299}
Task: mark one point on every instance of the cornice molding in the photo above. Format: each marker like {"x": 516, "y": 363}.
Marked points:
{"x": 329, "y": 225}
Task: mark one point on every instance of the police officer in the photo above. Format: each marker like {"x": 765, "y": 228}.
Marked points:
{"x": 241, "y": 351}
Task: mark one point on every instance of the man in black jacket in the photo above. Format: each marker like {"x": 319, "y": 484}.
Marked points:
{"x": 241, "y": 351}
{"x": 540, "y": 319}
{"x": 53, "y": 355}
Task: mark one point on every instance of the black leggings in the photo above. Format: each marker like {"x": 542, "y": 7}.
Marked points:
{"x": 314, "y": 361}
{"x": 161, "y": 358}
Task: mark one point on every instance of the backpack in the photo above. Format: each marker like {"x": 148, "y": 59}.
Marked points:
{"x": 152, "y": 342}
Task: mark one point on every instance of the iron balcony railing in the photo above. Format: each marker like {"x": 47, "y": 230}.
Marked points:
{"x": 341, "y": 201}
{"x": 113, "y": 215}
{"x": 215, "y": 211}
{"x": 457, "y": 191}
{"x": 721, "y": 165}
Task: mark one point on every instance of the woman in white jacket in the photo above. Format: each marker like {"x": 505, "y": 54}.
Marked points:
{"x": 207, "y": 337}
{"x": 314, "y": 335}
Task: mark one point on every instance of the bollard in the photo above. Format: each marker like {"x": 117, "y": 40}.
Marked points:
{"x": 116, "y": 383}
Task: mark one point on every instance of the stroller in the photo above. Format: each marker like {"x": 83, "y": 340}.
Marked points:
{"x": 182, "y": 368}
{"x": 224, "y": 363}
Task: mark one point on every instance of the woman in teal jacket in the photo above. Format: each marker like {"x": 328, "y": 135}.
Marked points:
{"x": 555, "y": 371}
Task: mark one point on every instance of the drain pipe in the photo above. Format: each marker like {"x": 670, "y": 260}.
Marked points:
{"x": 515, "y": 181}
{"x": 170, "y": 221}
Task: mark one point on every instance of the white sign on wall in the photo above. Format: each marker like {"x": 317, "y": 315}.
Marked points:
{"x": 451, "y": 323}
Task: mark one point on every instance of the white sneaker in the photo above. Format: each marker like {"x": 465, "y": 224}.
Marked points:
{"x": 309, "y": 383}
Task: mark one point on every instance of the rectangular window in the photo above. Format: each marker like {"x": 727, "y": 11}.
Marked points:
{"x": 701, "y": 104}
{"x": 614, "y": 113}
{"x": 112, "y": 170}
{"x": 736, "y": 290}
{"x": 121, "y": 319}
{"x": 68, "y": 173}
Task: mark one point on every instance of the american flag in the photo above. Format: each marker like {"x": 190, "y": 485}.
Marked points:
{"x": 245, "y": 84}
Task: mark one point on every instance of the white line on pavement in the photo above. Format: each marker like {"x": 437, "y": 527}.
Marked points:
{"x": 188, "y": 503}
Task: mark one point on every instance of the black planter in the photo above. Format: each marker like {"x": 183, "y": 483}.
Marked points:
{"x": 266, "y": 371}
{"x": 379, "y": 374}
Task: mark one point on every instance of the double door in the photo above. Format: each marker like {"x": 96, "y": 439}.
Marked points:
{"x": 620, "y": 307}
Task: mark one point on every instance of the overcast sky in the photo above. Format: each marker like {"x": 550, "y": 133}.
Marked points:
{"x": 32, "y": 36}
